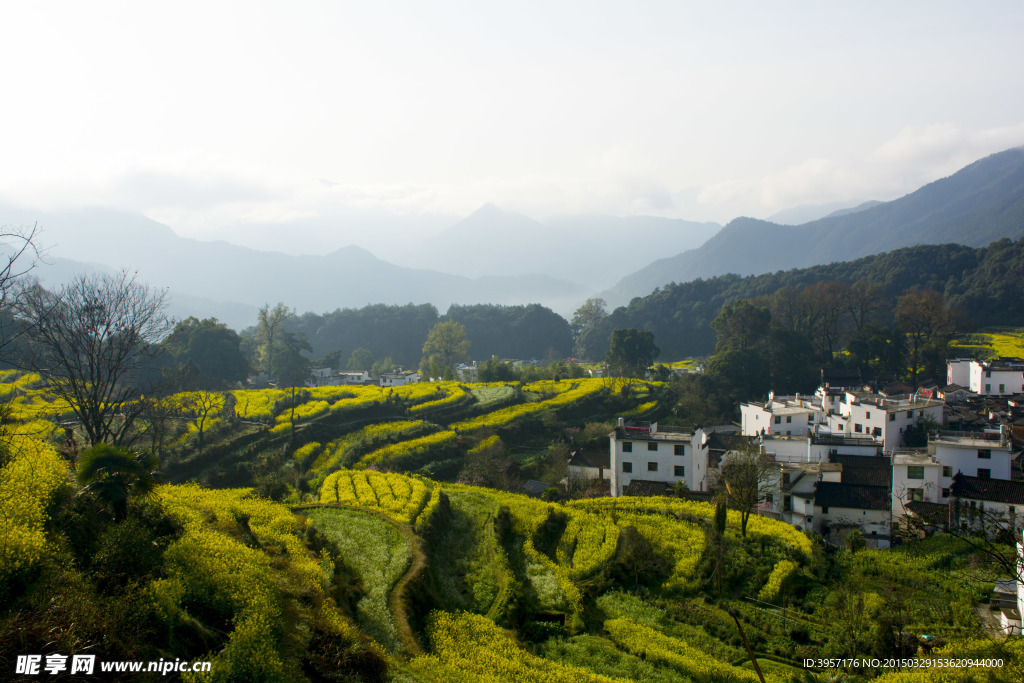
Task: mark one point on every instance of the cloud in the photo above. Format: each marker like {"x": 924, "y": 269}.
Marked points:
{"x": 915, "y": 156}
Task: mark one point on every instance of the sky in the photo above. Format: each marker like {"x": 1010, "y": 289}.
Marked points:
{"x": 316, "y": 124}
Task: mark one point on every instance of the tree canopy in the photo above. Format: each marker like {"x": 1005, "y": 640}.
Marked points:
{"x": 445, "y": 346}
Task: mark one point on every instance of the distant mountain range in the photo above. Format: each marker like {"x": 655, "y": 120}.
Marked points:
{"x": 590, "y": 250}
{"x": 975, "y": 206}
{"x": 499, "y": 257}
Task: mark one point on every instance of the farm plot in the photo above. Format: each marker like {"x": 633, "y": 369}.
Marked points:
{"x": 470, "y": 568}
{"x": 399, "y": 497}
{"x": 378, "y": 552}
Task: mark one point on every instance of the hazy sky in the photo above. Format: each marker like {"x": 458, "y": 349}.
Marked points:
{"x": 212, "y": 115}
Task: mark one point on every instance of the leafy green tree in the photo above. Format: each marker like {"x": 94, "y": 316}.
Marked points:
{"x": 115, "y": 475}
{"x": 743, "y": 373}
{"x": 741, "y": 325}
{"x": 584, "y": 321}
{"x": 360, "y": 360}
{"x": 630, "y": 353}
{"x": 928, "y": 321}
{"x": 445, "y": 346}
{"x": 878, "y": 349}
{"x": 383, "y": 366}
{"x": 269, "y": 326}
{"x": 493, "y": 370}
{"x": 206, "y": 354}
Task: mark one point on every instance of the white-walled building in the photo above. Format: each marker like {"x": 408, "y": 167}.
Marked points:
{"x": 958, "y": 371}
{"x": 792, "y": 500}
{"x": 849, "y": 413}
{"x": 1000, "y": 377}
{"x": 997, "y": 377}
{"x": 918, "y": 477}
{"x": 397, "y": 379}
{"x": 991, "y": 505}
{"x": 975, "y": 454}
{"x": 883, "y": 418}
{"x": 782, "y": 416}
{"x": 647, "y": 453}
{"x": 839, "y": 508}
{"x": 816, "y": 448}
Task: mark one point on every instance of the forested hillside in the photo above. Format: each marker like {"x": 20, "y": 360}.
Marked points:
{"x": 981, "y": 203}
{"x": 986, "y": 284}
{"x": 398, "y": 332}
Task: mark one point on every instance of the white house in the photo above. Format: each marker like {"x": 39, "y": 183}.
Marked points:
{"x": 1000, "y": 377}
{"x": 397, "y": 379}
{"x": 839, "y": 508}
{"x": 589, "y": 465}
{"x": 792, "y": 500}
{"x": 647, "y": 453}
{"x": 815, "y": 448}
{"x": 883, "y": 418}
{"x": 782, "y": 416}
{"x": 991, "y": 505}
{"x": 996, "y": 377}
{"x": 917, "y": 476}
{"x": 977, "y": 454}
{"x": 958, "y": 371}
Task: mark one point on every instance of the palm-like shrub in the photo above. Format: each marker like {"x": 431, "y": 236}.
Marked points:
{"x": 115, "y": 475}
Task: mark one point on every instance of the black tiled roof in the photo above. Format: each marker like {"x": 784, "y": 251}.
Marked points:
{"x": 995, "y": 490}
{"x": 864, "y": 470}
{"x": 859, "y": 497}
{"x": 645, "y": 487}
{"x": 591, "y": 457}
{"x": 534, "y": 487}
{"x": 932, "y": 513}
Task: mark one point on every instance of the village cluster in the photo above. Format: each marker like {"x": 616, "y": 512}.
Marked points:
{"x": 844, "y": 459}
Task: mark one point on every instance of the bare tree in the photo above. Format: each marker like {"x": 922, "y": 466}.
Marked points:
{"x": 94, "y": 340}
{"x": 749, "y": 477}
{"x": 199, "y": 407}
{"x": 19, "y": 254}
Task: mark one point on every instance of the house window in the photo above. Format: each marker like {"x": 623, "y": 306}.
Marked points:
{"x": 778, "y": 419}
{"x": 651, "y": 446}
{"x": 769, "y": 498}
{"x": 984, "y": 473}
{"x": 680, "y": 470}
{"x": 824, "y": 509}
{"x": 858, "y": 428}
{"x": 988, "y": 388}
{"x": 652, "y": 467}
{"x": 947, "y": 471}
{"x": 787, "y": 504}
{"x": 945, "y": 493}
{"x": 627, "y": 467}
{"x": 810, "y": 418}
{"x": 892, "y": 417}
{"x": 679, "y": 449}
{"x": 915, "y": 472}
{"x": 877, "y": 431}
{"x": 988, "y": 373}
{"x": 789, "y": 418}
{"x": 1012, "y": 510}
{"x": 915, "y": 494}
{"x": 627, "y": 446}
{"x": 1002, "y": 388}
{"x": 910, "y": 414}
{"x": 985, "y": 453}
{"x": 867, "y": 414}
